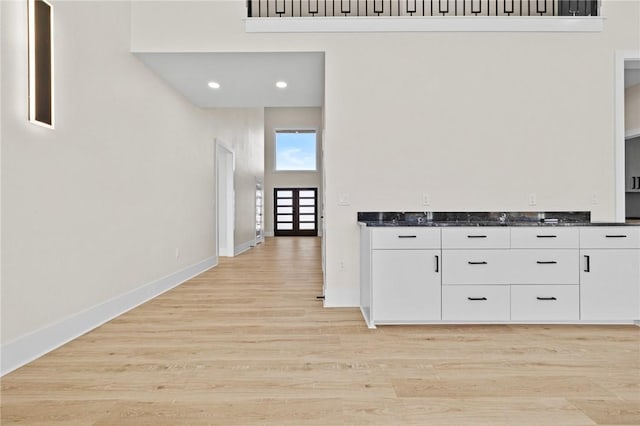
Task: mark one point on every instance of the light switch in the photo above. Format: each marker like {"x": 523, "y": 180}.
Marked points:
{"x": 344, "y": 200}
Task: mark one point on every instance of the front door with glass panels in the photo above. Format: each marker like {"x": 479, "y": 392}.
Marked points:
{"x": 295, "y": 212}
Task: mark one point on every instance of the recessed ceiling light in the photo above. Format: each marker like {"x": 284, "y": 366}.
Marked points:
{"x": 281, "y": 84}
{"x": 214, "y": 84}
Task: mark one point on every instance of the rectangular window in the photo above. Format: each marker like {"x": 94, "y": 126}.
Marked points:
{"x": 296, "y": 150}
{"x": 40, "y": 62}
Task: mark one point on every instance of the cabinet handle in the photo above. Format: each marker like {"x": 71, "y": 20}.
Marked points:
{"x": 477, "y": 263}
{"x": 476, "y": 236}
{"x": 616, "y": 236}
{"x": 546, "y": 236}
{"x": 437, "y": 263}
{"x": 407, "y": 236}
{"x": 587, "y": 267}
{"x": 546, "y": 298}
{"x": 546, "y": 262}
{"x": 477, "y": 298}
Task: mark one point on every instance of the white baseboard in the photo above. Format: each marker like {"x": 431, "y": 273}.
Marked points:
{"x": 342, "y": 297}
{"x": 241, "y": 248}
{"x": 32, "y": 346}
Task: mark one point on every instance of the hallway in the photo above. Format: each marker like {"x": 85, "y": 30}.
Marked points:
{"x": 248, "y": 343}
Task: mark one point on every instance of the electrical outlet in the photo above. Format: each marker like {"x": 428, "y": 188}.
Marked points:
{"x": 532, "y": 199}
{"x": 344, "y": 199}
{"x": 341, "y": 265}
{"x": 426, "y": 200}
{"x": 594, "y": 198}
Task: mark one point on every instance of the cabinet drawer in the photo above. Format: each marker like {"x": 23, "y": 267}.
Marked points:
{"x": 475, "y": 237}
{"x": 544, "y": 237}
{"x": 406, "y": 238}
{"x": 475, "y": 303}
{"x": 545, "y": 266}
{"x": 610, "y": 237}
{"x": 476, "y": 267}
{"x": 545, "y": 302}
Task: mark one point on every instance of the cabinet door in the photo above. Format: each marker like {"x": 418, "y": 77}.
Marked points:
{"x": 406, "y": 285}
{"x": 610, "y": 284}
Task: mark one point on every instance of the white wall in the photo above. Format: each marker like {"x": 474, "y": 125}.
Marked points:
{"x": 477, "y": 120}
{"x": 96, "y": 208}
{"x": 289, "y": 119}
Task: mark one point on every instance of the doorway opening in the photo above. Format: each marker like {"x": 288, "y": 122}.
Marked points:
{"x": 627, "y": 148}
{"x": 225, "y": 199}
{"x": 259, "y": 212}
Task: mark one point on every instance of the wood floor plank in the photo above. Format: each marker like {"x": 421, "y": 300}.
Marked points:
{"x": 611, "y": 411}
{"x": 248, "y": 343}
{"x": 486, "y": 385}
{"x": 474, "y": 411}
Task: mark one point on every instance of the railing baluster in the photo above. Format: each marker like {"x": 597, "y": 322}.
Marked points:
{"x": 375, "y": 9}
{"x": 513, "y": 7}
{"x": 328, "y": 8}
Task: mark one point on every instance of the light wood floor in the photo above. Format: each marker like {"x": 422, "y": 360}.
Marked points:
{"x": 247, "y": 343}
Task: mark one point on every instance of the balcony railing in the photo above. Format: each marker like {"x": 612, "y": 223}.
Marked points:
{"x": 354, "y": 8}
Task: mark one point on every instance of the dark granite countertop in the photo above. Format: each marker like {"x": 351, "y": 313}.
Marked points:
{"x": 477, "y": 219}
{"x": 478, "y": 224}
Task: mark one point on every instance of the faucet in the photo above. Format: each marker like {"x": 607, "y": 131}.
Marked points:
{"x": 502, "y": 218}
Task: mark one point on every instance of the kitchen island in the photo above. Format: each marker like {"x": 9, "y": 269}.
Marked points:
{"x": 498, "y": 267}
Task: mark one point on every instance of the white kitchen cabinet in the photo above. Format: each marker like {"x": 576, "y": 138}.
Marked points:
{"x": 610, "y": 273}
{"x": 610, "y": 284}
{"x": 400, "y": 271}
{"x": 405, "y": 286}
{"x": 418, "y": 275}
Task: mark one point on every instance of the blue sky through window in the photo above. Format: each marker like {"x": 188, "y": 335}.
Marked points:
{"x": 295, "y": 151}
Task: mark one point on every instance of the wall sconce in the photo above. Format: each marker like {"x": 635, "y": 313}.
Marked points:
{"x": 40, "y": 48}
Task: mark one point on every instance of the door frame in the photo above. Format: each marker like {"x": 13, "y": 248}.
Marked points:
{"x": 225, "y": 199}
{"x": 622, "y": 56}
